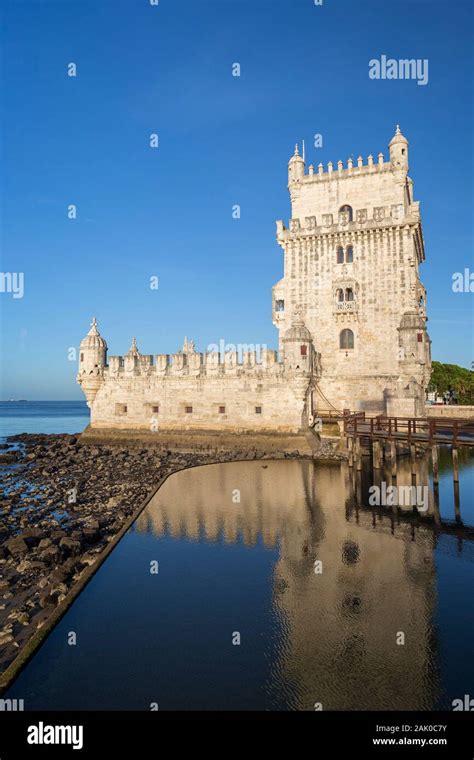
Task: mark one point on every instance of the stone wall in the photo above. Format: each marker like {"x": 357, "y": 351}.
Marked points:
{"x": 256, "y": 400}
{"x": 455, "y": 411}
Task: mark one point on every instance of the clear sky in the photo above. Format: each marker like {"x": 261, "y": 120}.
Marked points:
{"x": 223, "y": 140}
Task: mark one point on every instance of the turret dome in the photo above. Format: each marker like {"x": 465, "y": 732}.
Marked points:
{"x": 398, "y": 138}
{"x": 93, "y": 338}
{"x": 297, "y": 332}
{"x": 296, "y": 158}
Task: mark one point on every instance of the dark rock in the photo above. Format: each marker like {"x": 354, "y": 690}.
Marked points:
{"x": 50, "y": 555}
{"x": 69, "y": 546}
{"x": 44, "y": 543}
{"x": 17, "y": 547}
{"x": 57, "y": 535}
{"x": 32, "y": 536}
{"x": 9, "y": 457}
{"x": 59, "y": 576}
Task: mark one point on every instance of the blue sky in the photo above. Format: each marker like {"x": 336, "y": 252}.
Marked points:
{"x": 223, "y": 140}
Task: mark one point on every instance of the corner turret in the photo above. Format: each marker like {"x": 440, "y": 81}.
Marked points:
{"x": 398, "y": 148}
{"x": 295, "y": 167}
{"x": 92, "y": 361}
{"x": 298, "y": 349}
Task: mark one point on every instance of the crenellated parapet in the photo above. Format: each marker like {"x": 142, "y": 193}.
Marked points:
{"x": 331, "y": 172}
{"x": 397, "y": 164}
{"x": 209, "y": 364}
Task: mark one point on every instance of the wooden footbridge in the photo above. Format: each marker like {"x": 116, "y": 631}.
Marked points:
{"x": 381, "y": 432}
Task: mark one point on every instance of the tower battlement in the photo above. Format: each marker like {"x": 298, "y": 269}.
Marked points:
{"x": 194, "y": 364}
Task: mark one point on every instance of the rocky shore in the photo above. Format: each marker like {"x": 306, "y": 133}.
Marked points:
{"x": 61, "y": 503}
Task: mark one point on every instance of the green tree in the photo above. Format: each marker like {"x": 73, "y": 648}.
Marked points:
{"x": 451, "y": 376}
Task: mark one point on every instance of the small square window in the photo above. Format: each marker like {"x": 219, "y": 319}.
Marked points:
{"x": 222, "y": 410}
{"x": 188, "y": 409}
{"x": 155, "y": 409}
{"x": 120, "y": 408}
{"x": 258, "y": 410}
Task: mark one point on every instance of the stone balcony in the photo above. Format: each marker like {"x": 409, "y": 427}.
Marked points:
{"x": 343, "y": 307}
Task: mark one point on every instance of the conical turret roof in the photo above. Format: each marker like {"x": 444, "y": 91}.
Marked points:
{"x": 93, "y": 338}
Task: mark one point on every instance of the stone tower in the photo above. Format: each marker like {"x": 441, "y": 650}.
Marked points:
{"x": 352, "y": 253}
{"x": 92, "y": 361}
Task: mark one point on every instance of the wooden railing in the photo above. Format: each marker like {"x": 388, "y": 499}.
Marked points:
{"x": 451, "y": 431}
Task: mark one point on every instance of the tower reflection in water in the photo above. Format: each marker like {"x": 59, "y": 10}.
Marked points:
{"x": 349, "y": 586}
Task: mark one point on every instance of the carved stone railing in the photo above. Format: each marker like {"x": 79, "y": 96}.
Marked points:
{"x": 345, "y": 306}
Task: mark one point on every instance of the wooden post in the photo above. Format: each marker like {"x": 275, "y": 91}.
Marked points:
{"x": 434, "y": 455}
{"x": 437, "y": 516}
{"x": 350, "y": 445}
{"x": 358, "y": 490}
{"x": 393, "y": 458}
{"x": 457, "y": 503}
{"x": 358, "y": 455}
{"x": 376, "y": 455}
{"x": 455, "y": 465}
{"x": 413, "y": 463}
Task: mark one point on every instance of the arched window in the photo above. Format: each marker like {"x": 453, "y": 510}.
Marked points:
{"x": 349, "y": 294}
{"x": 346, "y": 339}
{"x": 348, "y": 209}
{"x": 340, "y": 255}
{"x": 349, "y": 254}
{"x": 340, "y": 294}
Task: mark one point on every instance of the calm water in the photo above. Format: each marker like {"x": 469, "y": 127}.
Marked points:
{"x": 42, "y": 417}
{"x": 228, "y": 566}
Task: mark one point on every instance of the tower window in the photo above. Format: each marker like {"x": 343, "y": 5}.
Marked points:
{"x": 340, "y": 295}
{"x": 340, "y": 255}
{"x": 420, "y": 337}
{"x": 348, "y": 210}
{"x": 280, "y": 305}
{"x": 155, "y": 409}
{"x": 120, "y": 408}
{"x": 188, "y": 409}
{"x": 346, "y": 339}
{"x": 349, "y": 294}
{"x": 304, "y": 350}
{"x": 82, "y": 357}
{"x": 349, "y": 254}
{"x": 222, "y": 410}
{"x": 258, "y": 410}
